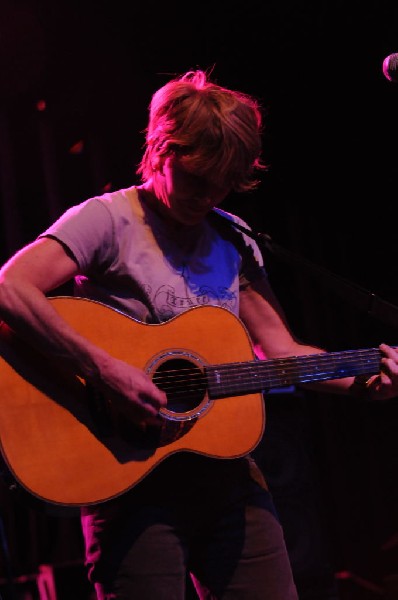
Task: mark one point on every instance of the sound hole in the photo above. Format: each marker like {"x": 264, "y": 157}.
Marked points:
{"x": 183, "y": 383}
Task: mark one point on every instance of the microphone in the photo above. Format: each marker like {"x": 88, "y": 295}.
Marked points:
{"x": 390, "y": 67}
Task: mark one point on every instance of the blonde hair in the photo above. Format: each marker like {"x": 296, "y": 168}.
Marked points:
{"x": 215, "y": 132}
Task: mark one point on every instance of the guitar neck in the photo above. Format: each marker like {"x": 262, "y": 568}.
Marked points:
{"x": 235, "y": 379}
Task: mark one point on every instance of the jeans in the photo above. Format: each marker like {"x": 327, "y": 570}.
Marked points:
{"x": 212, "y": 518}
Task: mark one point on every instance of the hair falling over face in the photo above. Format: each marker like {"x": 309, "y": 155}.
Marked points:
{"x": 215, "y": 132}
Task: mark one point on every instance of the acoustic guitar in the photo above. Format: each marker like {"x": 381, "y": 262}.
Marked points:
{"x": 62, "y": 445}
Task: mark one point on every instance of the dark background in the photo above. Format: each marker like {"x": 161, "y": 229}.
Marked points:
{"x": 329, "y": 196}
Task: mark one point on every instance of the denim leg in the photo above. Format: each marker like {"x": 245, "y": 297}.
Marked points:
{"x": 214, "y": 519}
{"x": 244, "y": 561}
{"x": 152, "y": 567}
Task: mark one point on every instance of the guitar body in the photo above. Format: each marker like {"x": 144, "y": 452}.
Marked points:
{"x": 56, "y": 436}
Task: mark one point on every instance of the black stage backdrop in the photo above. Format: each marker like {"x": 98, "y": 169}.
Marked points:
{"x": 75, "y": 82}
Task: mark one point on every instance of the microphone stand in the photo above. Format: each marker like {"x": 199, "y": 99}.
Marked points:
{"x": 360, "y": 297}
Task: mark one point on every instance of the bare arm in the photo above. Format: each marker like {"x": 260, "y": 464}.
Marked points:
{"x": 24, "y": 281}
{"x": 268, "y": 328}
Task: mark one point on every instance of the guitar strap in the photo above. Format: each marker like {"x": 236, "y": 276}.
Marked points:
{"x": 229, "y": 230}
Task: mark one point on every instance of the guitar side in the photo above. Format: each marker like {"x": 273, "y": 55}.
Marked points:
{"x": 53, "y": 444}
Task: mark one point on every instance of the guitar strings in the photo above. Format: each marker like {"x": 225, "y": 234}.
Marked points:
{"x": 258, "y": 375}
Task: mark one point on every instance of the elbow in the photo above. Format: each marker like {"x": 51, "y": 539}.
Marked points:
{"x": 10, "y": 290}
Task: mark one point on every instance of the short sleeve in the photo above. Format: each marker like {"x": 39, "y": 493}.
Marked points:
{"x": 87, "y": 230}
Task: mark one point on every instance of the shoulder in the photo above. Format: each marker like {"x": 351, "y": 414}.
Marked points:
{"x": 117, "y": 209}
{"x": 121, "y": 201}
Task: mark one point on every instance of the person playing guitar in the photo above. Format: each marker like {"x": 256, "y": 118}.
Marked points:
{"x": 146, "y": 383}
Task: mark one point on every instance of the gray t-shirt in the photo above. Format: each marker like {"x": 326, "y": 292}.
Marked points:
{"x": 129, "y": 260}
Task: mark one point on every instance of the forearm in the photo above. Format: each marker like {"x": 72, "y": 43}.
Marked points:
{"x": 31, "y": 315}
{"x": 24, "y": 282}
